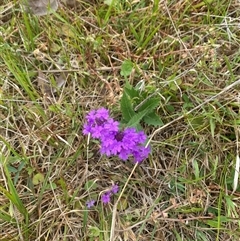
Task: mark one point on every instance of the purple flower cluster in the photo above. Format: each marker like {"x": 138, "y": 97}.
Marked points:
{"x": 115, "y": 141}
{"x": 106, "y": 197}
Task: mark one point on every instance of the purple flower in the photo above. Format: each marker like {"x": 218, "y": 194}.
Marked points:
{"x": 106, "y": 197}
{"x": 111, "y": 126}
{"x": 90, "y": 203}
{"x": 114, "y": 141}
{"x": 125, "y": 143}
{"x": 99, "y": 123}
{"x": 101, "y": 113}
{"x": 115, "y": 189}
{"x": 95, "y": 122}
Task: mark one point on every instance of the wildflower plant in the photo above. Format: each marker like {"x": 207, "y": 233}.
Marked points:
{"x": 115, "y": 141}
{"x": 125, "y": 140}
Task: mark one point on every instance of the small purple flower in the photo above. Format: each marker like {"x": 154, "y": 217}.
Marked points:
{"x": 115, "y": 189}
{"x": 106, "y": 197}
{"x": 90, "y": 203}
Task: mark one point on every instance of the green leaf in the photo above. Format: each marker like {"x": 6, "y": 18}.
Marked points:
{"x": 130, "y": 91}
{"x": 51, "y": 186}
{"x": 153, "y": 119}
{"x": 61, "y": 182}
{"x": 38, "y": 178}
{"x": 212, "y": 127}
{"x": 90, "y": 185}
{"x": 134, "y": 121}
{"x": 170, "y": 108}
{"x": 185, "y": 98}
{"x": 85, "y": 218}
{"x": 13, "y": 196}
{"x": 150, "y": 104}
{"x": 126, "y": 107}
{"x": 6, "y": 217}
{"x": 94, "y": 231}
{"x": 174, "y": 85}
{"x": 126, "y": 68}
{"x": 146, "y": 108}
{"x": 196, "y": 121}
{"x": 201, "y": 236}
{"x": 122, "y": 204}
{"x": 187, "y": 102}
{"x": 108, "y": 2}
{"x": 196, "y": 169}
{"x": 11, "y": 169}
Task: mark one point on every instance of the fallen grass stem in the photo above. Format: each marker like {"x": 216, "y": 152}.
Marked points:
{"x": 114, "y": 213}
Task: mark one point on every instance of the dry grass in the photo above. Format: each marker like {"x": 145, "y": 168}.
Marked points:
{"x": 189, "y": 50}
